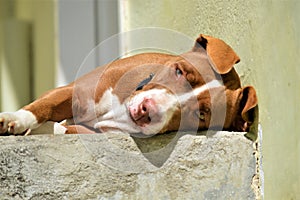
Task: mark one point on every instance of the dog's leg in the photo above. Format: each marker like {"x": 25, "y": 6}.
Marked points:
{"x": 75, "y": 129}
{"x": 55, "y": 105}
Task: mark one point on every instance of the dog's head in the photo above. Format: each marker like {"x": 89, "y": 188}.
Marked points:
{"x": 198, "y": 90}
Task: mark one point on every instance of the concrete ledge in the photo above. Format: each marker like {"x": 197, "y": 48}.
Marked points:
{"x": 112, "y": 166}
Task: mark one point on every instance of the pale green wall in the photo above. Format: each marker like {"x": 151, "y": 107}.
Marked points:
{"x": 36, "y": 20}
{"x": 265, "y": 34}
{"x": 42, "y": 16}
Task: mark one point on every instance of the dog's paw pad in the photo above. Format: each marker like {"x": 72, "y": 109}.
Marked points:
{"x": 2, "y": 125}
{"x": 11, "y": 127}
{"x": 1, "y": 122}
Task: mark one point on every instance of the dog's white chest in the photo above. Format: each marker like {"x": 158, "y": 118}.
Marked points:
{"x": 112, "y": 115}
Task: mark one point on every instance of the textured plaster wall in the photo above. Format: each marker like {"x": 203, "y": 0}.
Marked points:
{"x": 265, "y": 34}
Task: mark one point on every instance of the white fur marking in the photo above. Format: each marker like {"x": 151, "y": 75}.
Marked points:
{"x": 212, "y": 84}
{"x": 112, "y": 115}
{"x": 27, "y": 118}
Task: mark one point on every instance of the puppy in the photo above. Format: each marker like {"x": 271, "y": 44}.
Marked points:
{"x": 148, "y": 93}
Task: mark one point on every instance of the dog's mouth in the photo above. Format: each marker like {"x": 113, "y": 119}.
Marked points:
{"x": 143, "y": 113}
{"x": 151, "y": 109}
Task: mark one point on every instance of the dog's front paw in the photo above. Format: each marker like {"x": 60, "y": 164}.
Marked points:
{"x": 11, "y": 123}
{"x": 17, "y": 122}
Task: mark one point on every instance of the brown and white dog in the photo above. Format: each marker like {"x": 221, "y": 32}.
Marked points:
{"x": 148, "y": 93}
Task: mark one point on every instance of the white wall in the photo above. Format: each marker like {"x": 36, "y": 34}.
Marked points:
{"x": 82, "y": 26}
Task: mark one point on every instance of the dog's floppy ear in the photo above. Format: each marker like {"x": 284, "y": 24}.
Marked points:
{"x": 248, "y": 102}
{"x": 221, "y": 55}
{"x": 247, "y": 113}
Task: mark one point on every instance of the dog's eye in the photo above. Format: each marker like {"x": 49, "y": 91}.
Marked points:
{"x": 178, "y": 72}
{"x": 200, "y": 115}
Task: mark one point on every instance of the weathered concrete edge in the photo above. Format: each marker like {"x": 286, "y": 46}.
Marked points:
{"x": 23, "y": 144}
{"x": 258, "y": 178}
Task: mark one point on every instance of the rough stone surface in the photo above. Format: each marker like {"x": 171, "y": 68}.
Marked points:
{"x": 106, "y": 166}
